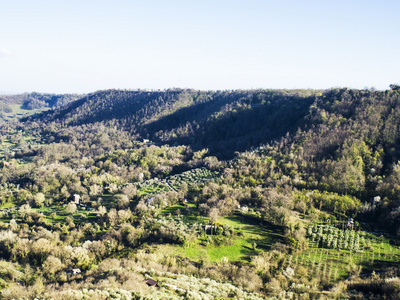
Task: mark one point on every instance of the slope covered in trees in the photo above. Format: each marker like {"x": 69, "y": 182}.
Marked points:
{"x": 339, "y": 140}
{"x": 280, "y": 193}
{"x": 223, "y": 121}
{"x": 38, "y": 100}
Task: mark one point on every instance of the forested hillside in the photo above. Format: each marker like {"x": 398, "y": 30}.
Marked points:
{"x": 12, "y": 106}
{"x": 225, "y": 121}
{"x": 39, "y": 100}
{"x": 30, "y": 103}
{"x": 251, "y": 194}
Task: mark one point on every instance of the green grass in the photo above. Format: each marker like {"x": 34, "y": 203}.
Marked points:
{"x": 381, "y": 256}
{"x": 18, "y": 111}
{"x": 80, "y": 216}
{"x": 106, "y": 200}
{"x": 235, "y": 248}
{"x": 190, "y": 216}
{"x": 260, "y": 232}
{"x": 172, "y": 209}
{"x": 241, "y": 249}
{"x": 7, "y": 205}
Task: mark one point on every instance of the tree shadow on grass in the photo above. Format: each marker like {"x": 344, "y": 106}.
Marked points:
{"x": 379, "y": 265}
{"x": 267, "y": 233}
{"x": 258, "y": 232}
{"x": 247, "y": 252}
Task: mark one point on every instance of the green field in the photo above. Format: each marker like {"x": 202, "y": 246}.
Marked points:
{"x": 173, "y": 209}
{"x": 234, "y": 248}
{"x": 18, "y": 111}
{"x": 338, "y": 264}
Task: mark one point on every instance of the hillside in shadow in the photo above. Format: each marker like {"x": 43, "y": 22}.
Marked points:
{"x": 226, "y": 126}
{"x": 223, "y": 121}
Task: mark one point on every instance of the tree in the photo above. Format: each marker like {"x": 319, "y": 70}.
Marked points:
{"x": 8, "y": 271}
{"x": 39, "y": 199}
{"x": 40, "y": 249}
{"x": 71, "y": 208}
{"x": 124, "y": 215}
{"x": 64, "y": 192}
{"x": 213, "y": 214}
{"x": 23, "y": 195}
{"x": 95, "y": 190}
{"x": 121, "y": 200}
{"x": 51, "y": 266}
{"x": 141, "y": 208}
{"x": 97, "y": 248}
{"x": 130, "y": 191}
{"x": 112, "y": 217}
{"x": 24, "y": 210}
{"x": 21, "y": 250}
{"x": 101, "y": 212}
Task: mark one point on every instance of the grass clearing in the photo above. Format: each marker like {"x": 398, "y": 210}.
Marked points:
{"x": 106, "y": 200}
{"x": 171, "y": 209}
{"x": 18, "y": 111}
{"x": 235, "y": 248}
{"x": 7, "y": 205}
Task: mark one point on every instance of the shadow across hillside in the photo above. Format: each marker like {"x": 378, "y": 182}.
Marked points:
{"x": 222, "y": 121}
{"x": 225, "y": 130}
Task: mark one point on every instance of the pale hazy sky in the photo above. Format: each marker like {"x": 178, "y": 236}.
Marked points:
{"x": 88, "y": 45}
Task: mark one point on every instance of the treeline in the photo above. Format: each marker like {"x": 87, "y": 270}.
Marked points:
{"x": 4, "y": 109}
{"x": 38, "y": 100}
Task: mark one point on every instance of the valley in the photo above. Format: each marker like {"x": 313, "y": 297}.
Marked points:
{"x": 236, "y": 194}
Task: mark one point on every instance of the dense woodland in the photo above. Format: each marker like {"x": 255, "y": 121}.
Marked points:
{"x": 253, "y": 194}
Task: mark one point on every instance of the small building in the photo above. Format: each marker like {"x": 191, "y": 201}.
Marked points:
{"x": 76, "y": 271}
{"x": 377, "y": 199}
{"x": 151, "y": 282}
{"x": 73, "y": 272}
{"x": 77, "y": 198}
{"x": 350, "y": 222}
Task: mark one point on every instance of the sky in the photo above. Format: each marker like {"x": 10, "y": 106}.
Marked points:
{"x": 81, "y": 46}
